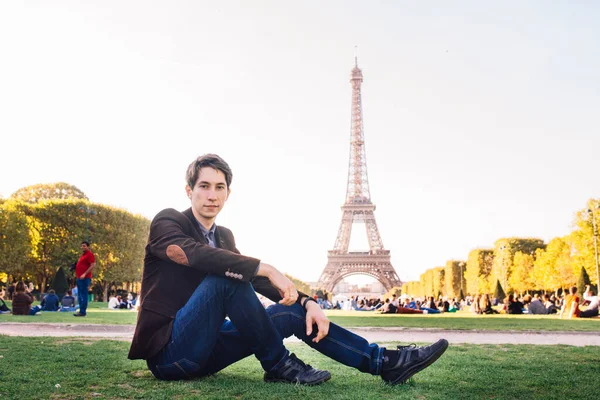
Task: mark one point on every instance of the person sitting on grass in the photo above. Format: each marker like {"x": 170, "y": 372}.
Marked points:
{"x": 592, "y": 308}
{"x": 3, "y": 307}
{"x": 513, "y": 306}
{"x": 570, "y": 306}
{"x": 475, "y": 304}
{"x": 50, "y": 301}
{"x": 113, "y": 303}
{"x": 485, "y": 305}
{"x": 388, "y": 307}
{"x": 22, "y": 299}
{"x": 68, "y": 303}
{"x": 430, "y": 306}
{"x": 534, "y": 306}
{"x": 194, "y": 277}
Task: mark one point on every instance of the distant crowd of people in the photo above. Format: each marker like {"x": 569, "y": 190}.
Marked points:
{"x": 570, "y": 305}
{"x": 22, "y": 300}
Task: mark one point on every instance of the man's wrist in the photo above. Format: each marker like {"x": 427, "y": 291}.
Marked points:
{"x": 308, "y": 299}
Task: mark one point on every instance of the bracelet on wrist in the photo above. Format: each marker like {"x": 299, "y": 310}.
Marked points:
{"x": 307, "y": 300}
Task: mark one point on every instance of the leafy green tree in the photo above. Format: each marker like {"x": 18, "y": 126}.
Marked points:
{"x": 582, "y": 239}
{"x": 504, "y": 252}
{"x": 55, "y": 227}
{"x": 15, "y": 241}
{"x": 499, "y": 292}
{"x": 48, "y": 191}
{"x": 453, "y": 277}
{"x": 583, "y": 281}
{"x": 119, "y": 246}
{"x": 427, "y": 286}
{"x": 59, "y": 283}
{"x": 520, "y": 279}
{"x": 439, "y": 281}
{"x": 479, "y": 267}
{"x": 553, "y": 266}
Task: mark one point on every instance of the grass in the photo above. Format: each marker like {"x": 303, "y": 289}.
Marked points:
{"x": 73, "y": 368}
{"x": 464, "y": 320}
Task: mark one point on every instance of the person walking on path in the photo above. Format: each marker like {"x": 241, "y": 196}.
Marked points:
{"x": 194, "y": 277}
{"x": 83, "y": 271}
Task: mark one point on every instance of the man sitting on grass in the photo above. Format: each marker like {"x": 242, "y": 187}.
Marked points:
{"x": 592, "y": 308}
{"x": 194, "y": 277}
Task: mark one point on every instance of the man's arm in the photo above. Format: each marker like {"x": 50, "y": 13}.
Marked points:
{"x": 170, "y": 241}
{"x": 285, "y": 287}
{"x": 92, "y": 266}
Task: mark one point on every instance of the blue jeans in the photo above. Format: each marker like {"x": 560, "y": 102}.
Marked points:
{"x": 82, "y": 294}
{"x": 204, "y": 342}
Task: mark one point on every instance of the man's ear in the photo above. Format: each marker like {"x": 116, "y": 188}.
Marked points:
{"x": 188, "y": 190}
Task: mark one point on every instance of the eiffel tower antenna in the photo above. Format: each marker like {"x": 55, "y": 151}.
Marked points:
{"x": 358, "y": 208}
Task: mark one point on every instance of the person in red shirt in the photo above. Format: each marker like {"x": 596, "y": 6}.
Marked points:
{"x": 83, "y": 271}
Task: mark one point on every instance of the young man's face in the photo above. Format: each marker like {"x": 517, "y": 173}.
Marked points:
{"x": 84, "y": 247}
{"x": 208, "y": 195}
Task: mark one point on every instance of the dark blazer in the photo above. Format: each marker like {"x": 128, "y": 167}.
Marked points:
{"x": 177, "y": 259}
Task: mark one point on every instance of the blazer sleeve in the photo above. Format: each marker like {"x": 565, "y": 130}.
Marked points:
{"x": 170, "y": 240}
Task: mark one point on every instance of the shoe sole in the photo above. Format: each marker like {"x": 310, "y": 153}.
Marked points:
{"x": 419, "y": 367}
{"x": 317, "y": 382}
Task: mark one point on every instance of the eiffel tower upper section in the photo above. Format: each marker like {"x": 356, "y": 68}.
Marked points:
{"x": 357, "y": 191}
{"x": 358, "y": 208}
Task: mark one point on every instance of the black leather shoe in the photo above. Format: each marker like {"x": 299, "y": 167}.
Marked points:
{"x": 413, "y": 359}
{"x": 78, "y": 314}
{"x": 295, "y": 371}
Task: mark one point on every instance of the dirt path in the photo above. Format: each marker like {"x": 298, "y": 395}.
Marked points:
{"x": 125, "y": 332}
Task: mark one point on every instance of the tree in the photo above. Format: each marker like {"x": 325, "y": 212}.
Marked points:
{"x": 439, "y": 282}
{"x": 453, "y": 278}
{"x": 48, "y": 191}
{"x": 582, "y": 240}
{"x": 504, "y": 251}
{"x": 583, "y": 281}
{"x": 479, "y": 266}
{"x": 15, "y": 241}
{"x": 553, "y": 266}
{"x": 520, "y": 279}
{"x": 59, "y": 283}
{"x": 499, "y": 292}
{"x": 55, "y": 227}
{"x": 119, "y": 246}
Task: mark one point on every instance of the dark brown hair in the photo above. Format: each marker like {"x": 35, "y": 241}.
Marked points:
{"x": 208, "y": 160}
{"x": 20, "y": 287}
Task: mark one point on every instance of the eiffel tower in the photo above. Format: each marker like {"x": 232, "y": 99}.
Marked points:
{"x": 358, "y": 208}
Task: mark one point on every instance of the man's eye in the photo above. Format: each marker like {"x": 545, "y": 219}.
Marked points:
{"x": 203, "y": 186}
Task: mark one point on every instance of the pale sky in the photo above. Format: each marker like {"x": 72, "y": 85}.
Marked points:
{"x": 481, "y": 120}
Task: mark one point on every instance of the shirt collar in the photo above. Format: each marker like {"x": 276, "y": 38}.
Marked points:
{"x": 205, "y": 231}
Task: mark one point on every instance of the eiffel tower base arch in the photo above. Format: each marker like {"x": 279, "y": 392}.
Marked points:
{"x": 377, "y": 266}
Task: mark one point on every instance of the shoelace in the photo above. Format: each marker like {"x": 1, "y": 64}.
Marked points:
{"x": 299, "y": 361}
{"x": 407, "y": 347}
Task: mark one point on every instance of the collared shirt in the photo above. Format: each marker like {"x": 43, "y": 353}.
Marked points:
{"x": 209, "y": 235}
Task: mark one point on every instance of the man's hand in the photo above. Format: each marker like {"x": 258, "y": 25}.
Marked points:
{"x": 314, "y": 315}
{"x": 286, "y": 288}
{"x": 82, "y": 276}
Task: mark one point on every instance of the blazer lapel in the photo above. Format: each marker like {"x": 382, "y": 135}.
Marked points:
{"x": 195, "y": 224}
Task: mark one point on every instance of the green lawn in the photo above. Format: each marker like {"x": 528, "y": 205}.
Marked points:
{"x": 73, "y": 368}
{"x": 99, "y": 314}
